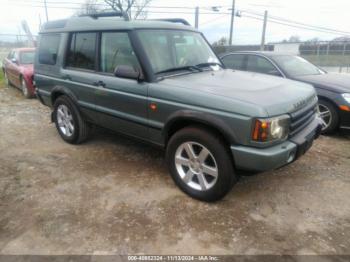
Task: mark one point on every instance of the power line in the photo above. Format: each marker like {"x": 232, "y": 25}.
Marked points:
{"x": 295, "y": 26}
{"x": 272, "y": 19}
{"x": 296, "y": 22}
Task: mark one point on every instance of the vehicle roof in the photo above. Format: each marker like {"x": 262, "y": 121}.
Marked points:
{"x": 87, "y": 23}
{"x": 264, "y": 53}
{"x": 23, "y": 49}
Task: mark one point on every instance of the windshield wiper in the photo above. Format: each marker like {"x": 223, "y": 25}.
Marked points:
{"x": 190, "y": 68}
{"x": 209, "y": 64}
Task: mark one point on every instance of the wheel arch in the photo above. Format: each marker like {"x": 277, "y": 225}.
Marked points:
{"x": 59, "y": 91}
{"x": 185, "y": 118}
{"x": 321, "y": 97}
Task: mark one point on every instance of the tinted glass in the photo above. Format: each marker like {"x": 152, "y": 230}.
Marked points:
{"x": 82, "y": 51}
{"x": 116, "y": 50}
{"x": 260, "y": 65}
{"x": 10, "y": 55}
{"x": 27, "y": 57}
{"x": 48, "y": 49}
{"x": 173, "y": 48}
{"x": 296, "y": 66}
{"x": 234, "y": 61}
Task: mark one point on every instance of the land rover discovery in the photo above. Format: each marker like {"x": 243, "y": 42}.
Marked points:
{"x": 160, "y": 81}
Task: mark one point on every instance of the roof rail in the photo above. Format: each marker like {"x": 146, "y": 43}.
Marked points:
{"x": 174, "y": 20}
{"x": 108, "y": 14}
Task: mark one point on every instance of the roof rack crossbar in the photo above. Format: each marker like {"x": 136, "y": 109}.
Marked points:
{"x": 174, "y": 20}
{"x": 108, "y": 14}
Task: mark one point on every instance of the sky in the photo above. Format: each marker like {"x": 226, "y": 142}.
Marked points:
{"x": 247, "y": 30}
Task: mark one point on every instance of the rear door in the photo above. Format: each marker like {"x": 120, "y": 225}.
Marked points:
{"x": 79, "y": 72}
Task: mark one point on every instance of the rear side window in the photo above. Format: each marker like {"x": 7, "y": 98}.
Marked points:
{"x": 234, "y": 61}
{"x": 116, "y": 50}
{"x": 260, "y": 65}
{"x": 82, "y": 51}
{"x": 48, "y": 49}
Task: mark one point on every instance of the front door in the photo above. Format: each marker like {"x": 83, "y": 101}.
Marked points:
{"x": 121, "y": 103}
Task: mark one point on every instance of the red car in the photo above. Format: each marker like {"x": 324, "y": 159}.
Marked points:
{"x": 18, "y": 70}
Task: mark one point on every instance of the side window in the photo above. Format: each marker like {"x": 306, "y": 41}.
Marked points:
{"x": 48, "y": 49}
{"x": 116, "y": 50}
{"x": 82, "y": 51}
{"x": 234, "y": 61}
{"x": 10, "y": 55}
{"x": 260, "y": 65}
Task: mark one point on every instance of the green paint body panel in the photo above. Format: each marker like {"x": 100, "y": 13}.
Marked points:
{"x": 226, "y": 100}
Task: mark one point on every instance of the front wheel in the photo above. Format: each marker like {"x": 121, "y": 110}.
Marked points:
{"x": 329, "y": 116}
{"x": 200, "y": 164}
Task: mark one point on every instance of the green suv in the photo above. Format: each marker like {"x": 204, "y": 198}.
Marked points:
{"x": 160, "y": 81}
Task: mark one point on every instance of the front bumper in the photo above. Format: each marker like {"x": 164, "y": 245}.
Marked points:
{"x": 344, "y": 119}
{"x": 263, "y": 159}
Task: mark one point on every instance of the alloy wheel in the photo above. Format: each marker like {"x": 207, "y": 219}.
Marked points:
{"x": 24, "y": 88}
{"x": 196, "y": 166}
{"x": 326, "y": 116}
{"x": 7, "y": 82}
{"x": 65, "y": 120}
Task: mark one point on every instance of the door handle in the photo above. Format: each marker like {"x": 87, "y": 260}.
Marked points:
{"x": 100, "y": 83}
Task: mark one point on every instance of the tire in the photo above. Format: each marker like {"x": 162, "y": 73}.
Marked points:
{"x": 7, "y": 81}
{"x": 329, "y": 115}
{"x": 24, "y": 89}
{"x": 66, "y": 115}
{"x": 188, "y": 175}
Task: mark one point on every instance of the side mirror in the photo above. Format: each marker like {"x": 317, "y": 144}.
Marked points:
{"x": 14, "y": 60}
{"x": 129, "y": 72}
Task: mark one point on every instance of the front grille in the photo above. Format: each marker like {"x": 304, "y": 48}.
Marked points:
{"x": 301, "y": 118}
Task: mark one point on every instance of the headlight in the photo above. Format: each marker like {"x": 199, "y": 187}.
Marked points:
{"x": 346, "y": 96}
{"x": 271, "y": 129}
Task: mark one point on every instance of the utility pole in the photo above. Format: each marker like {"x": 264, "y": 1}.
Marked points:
{"x": 232, "y": 20}
{"x": 47, "y": 16}
{"x": 196, "y": 17}
{"x": 262, "y": 46}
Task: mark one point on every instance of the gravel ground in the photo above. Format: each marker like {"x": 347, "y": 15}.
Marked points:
{"x": 112, "y": 195}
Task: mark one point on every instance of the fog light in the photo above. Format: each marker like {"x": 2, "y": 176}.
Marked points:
{"x": 291, "y": 156}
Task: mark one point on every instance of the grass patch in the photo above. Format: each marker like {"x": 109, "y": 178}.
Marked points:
{"x": 1, "y": 78}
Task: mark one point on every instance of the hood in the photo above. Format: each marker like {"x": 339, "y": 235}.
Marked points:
{"x": 339, "y": 83}
{"x": 274, "y": 95}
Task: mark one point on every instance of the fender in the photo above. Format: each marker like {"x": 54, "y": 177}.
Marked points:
{"x": 198, "y": 117}
{"x": 63, "y": 90}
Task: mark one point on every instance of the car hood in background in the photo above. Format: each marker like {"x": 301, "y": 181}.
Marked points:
{"x": 275, "y": 95}
{"x": 339, "y": 83}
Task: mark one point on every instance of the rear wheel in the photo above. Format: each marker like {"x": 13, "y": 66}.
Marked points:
{"x": 69, "y": 122}
{"x": 200, "y": 164}
{"x": 24, "y": 88}
{"x": 329, "y": 116}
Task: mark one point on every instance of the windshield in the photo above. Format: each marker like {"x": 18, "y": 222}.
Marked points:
{"x": 167, "y": 49}
{"x": 296, "y": 66}
{"x": 27, "y": 57}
